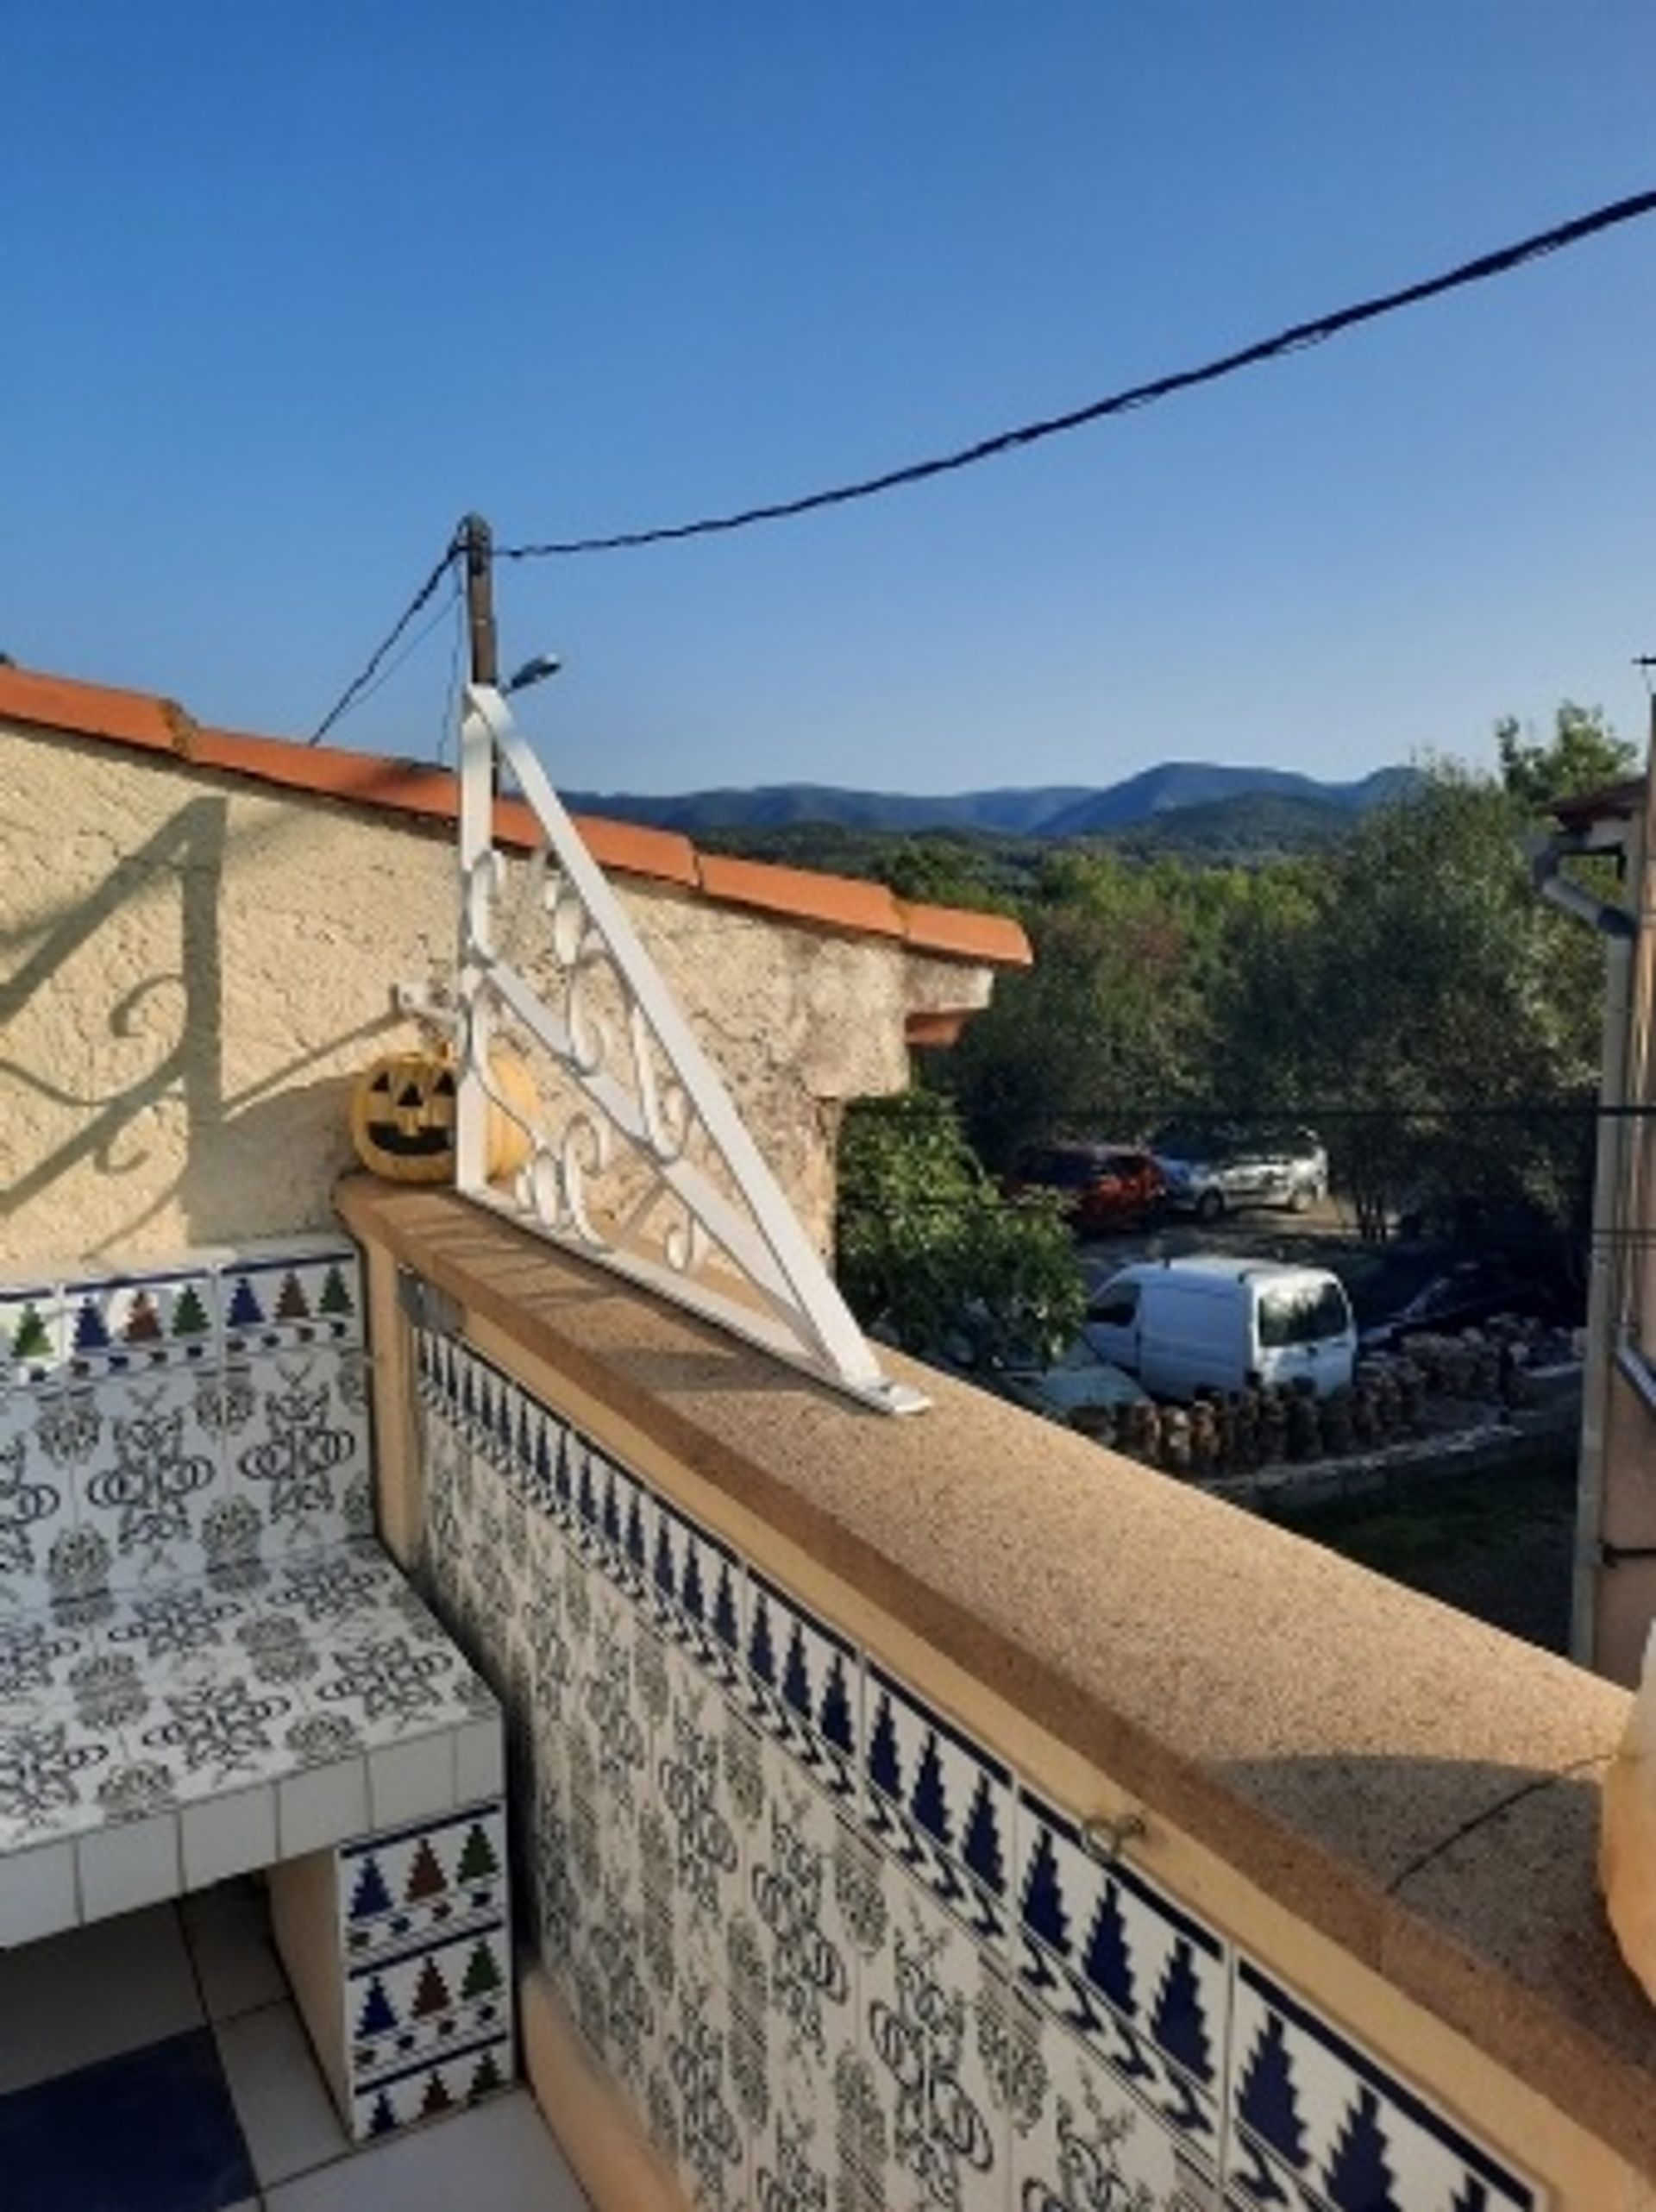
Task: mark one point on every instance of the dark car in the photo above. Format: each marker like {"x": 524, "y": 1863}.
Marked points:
{"x": 1099, "y": 1187}
{"x": 1465, "y": 1292}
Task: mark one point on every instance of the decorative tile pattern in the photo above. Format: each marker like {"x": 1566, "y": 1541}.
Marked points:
{"x": 135, "y": 1324}
{"x": 309, "y": 1294}
{"x": 803, "y": 1684}
{"x": 194, "y": 1418}
{"x": 424, "y": 1930}
{"x": 842, "y": 1957}
{"x": 940, "y": 1802}
{"x": 32, "y": 1338}
{"x": 1315, "y": 2121}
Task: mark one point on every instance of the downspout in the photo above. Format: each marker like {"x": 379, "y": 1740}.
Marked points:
{"x": 1620, "y": 931}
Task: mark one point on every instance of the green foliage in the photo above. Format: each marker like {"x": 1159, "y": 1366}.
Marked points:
{"x": 1584, "y": 754}
{"x": 931, "y": 1256}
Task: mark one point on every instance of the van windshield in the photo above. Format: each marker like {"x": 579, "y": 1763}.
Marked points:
{"x": 1300, "y": 1313}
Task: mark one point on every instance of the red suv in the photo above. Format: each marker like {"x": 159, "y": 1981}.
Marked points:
{"x": 1101, "y": 1187}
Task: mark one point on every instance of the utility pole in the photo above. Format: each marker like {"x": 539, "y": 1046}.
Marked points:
{"x": 478, "y": 540}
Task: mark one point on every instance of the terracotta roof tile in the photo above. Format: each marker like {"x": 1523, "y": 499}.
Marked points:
{"x": 994, "y": 939}
{"x": 835, "y": 901}
{"x": 408, "y": 786}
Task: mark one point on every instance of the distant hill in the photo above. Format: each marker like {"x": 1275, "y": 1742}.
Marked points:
{"x": 1048, "y": 811}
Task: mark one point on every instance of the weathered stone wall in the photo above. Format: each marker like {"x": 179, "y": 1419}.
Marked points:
{"x": 192, "y": 968}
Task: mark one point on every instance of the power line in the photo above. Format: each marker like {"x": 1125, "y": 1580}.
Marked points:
{"x": 355, "y": 689}
{"x": 1299, "y": 337}
{"x": 1294, "y": 340}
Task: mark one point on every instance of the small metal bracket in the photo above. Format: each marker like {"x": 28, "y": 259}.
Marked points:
{"x": 428, "y": 1003}
{"x": 424, "y": 1306}
{"x": 1106, "y": 1836}
{"x": 1614, "y": 1555}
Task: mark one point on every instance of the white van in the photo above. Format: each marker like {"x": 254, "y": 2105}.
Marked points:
{"x": 1187, "y": 1325}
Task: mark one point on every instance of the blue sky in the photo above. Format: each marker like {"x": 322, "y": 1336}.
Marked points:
{"x": 291, "y": 287}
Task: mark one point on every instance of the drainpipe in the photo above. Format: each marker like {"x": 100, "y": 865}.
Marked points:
{"x": 1619, "y": 930}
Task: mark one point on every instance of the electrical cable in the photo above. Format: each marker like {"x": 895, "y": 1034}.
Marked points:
{"x": 1296, "y": 338}
{"x": 1293, "y": 340}
{"x": 357, "y": 688}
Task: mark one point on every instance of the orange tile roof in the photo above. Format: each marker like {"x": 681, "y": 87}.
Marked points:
{"x": 147, "y": 724}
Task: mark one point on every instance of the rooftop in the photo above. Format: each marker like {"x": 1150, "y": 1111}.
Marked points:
{"x": 142, "y": 723}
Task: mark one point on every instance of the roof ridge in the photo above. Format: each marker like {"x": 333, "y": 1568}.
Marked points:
{"x": 149, "y": 724}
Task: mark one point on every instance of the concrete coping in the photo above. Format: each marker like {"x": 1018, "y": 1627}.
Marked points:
{"x": 1420, "y": 1789}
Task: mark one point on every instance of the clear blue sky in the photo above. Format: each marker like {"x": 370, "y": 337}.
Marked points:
{"x": 289, "y": 287}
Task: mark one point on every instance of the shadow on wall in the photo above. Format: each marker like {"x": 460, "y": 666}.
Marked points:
{"x": 113, "y": 1071}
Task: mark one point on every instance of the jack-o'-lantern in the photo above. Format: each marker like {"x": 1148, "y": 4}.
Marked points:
{"x": 403, "y": 1115}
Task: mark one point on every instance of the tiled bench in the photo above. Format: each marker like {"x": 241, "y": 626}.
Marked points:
{"x": 208, "y": 1664}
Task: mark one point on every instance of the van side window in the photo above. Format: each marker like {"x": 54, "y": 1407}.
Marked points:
{"x": 1116, "y": 1305}
{"x": 1303, "y": 1315}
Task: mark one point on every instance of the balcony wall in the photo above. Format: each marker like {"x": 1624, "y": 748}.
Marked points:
{"x": 193, "y": 966}
{"x": 945, "y": 1813}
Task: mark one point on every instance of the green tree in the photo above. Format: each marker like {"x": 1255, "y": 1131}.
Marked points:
{"x": 1111, "y": 1017}
{"x": 930, "y": 1255}
{"x": 1448, "y": 1008}
{"x": 1584, "y": 754}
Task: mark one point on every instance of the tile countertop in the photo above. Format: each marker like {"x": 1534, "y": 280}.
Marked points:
{"x": 155, "y": 1741}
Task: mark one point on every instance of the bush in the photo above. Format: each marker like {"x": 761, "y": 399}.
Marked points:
{"x": 932, "y": 1258}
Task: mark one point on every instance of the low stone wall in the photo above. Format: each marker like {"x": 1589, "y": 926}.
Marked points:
{"x": 943, "y": 1810}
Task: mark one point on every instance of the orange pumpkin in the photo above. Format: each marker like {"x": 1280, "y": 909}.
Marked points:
{"x": 403, "y": 1115}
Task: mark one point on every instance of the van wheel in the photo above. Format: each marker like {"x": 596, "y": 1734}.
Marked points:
{"x": 1209, "y": 1206}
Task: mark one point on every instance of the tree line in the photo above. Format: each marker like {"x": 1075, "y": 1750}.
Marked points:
{"x": 1406, "y": 992}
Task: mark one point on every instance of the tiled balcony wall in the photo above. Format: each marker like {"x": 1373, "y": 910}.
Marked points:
{"x": 835, "y": 1900}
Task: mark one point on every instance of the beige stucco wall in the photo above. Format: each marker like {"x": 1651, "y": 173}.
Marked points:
{"x": 192, "y": 968}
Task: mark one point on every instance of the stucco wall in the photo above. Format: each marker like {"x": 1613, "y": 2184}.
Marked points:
{"x": 192, "y": 968}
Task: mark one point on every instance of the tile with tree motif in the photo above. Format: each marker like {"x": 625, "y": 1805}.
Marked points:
{"x": 939, "y": 1802}
{"x": 803, "y": 1684}
{"x": 1140, "y": 1979}
{"x": 132, "y": 1324}
{"x": 306, "y": 1294}
{"x": 1317, "y": 2122}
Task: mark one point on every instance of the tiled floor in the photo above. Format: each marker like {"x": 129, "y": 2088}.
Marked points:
{"x": 155, "y": 2064}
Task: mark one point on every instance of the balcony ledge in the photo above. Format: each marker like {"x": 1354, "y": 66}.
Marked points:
{"x": 1420, "y": 1789}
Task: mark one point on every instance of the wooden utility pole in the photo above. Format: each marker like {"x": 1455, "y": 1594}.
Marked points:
{"x": 479, "y": 542}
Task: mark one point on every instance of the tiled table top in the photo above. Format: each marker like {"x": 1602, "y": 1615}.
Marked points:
{"x": 153, "y": 1742}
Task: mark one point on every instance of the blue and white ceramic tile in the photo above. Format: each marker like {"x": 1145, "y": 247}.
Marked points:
{"x": 134, "y": 1323}
{"x": 308, "y": 1295}
{"x": 1079, "y": 2137}
{"x": 37, "y": 1501}
{"x": 691, "y": 1784}
{"x": 803, "y": 1685}
{"x": 1139, "y": 1980}
{"x": 301, "y": 1458}
{"x": 51, "y": 1767}
{"x": 32, "y": 1341}
{"x": 805, "y": 1966}
{"x": 939, "y": 1802}
{"x": 742, "y": 1836}
{"x": 147, "y": 1490}
{"x": 1316, "y": 2120}
{"x": 621, "y": 2013}
{"x": 698, "y": 1590}
{"x": 691, "y": 2102}
{"x": 947, "y": 2136}
{"x": 427, "y": 2000}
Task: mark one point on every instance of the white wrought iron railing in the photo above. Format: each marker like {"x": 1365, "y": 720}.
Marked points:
{"x": 648, "y": 1167}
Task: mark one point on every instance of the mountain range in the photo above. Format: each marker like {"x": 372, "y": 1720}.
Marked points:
{"x": 1046, "y": 811}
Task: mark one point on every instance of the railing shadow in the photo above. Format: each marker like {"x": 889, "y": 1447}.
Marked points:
{"x": 60, "y": 1123}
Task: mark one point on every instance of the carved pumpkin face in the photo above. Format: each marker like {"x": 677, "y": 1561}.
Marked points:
{"x": 403, "y": 1117}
